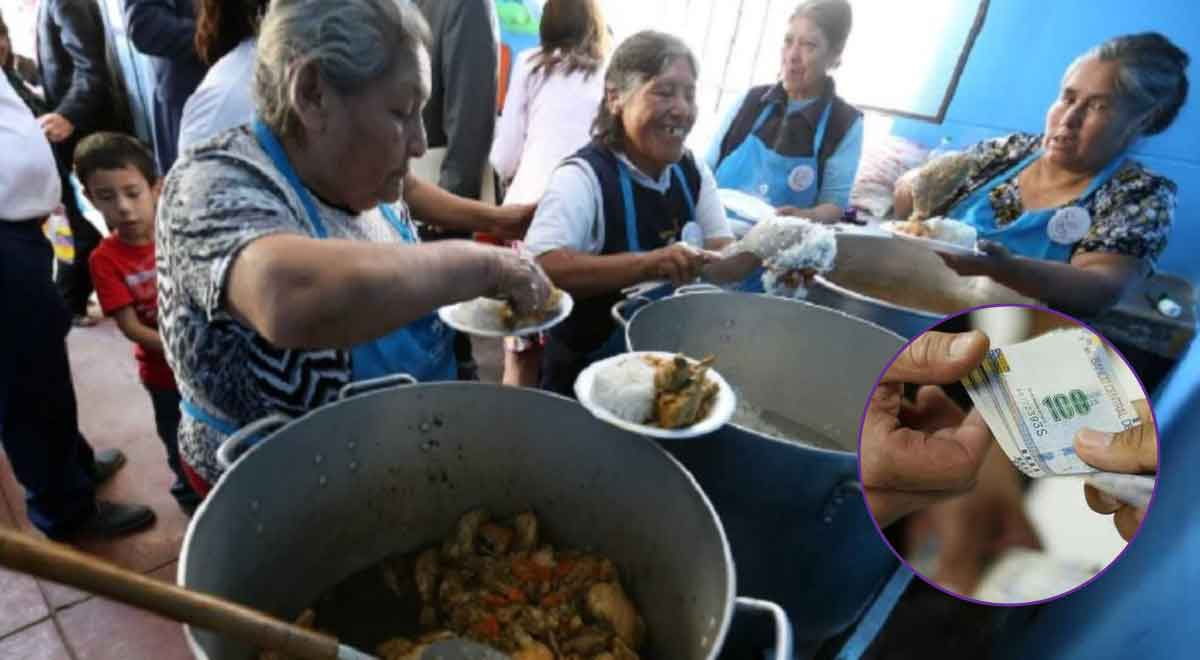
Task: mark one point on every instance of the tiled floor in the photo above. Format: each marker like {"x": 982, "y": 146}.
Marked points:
{"x": 41, "y": 620}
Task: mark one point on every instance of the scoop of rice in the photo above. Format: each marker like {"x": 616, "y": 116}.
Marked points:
{"x": 626, "y": 389}
{"x": 952, "y": 231}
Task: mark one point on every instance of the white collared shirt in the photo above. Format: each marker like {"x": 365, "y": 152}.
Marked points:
{"x": 29, "y": 183}
{"x": 571, "y": 213}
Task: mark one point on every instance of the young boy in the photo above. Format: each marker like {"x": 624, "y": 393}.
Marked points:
{"x": 119, "y": 179}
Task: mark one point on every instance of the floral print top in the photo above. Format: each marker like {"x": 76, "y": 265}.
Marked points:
{"x": 1131, "y": 212}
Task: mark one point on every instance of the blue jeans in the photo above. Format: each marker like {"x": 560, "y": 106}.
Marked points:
{"x": 166, "y": 422}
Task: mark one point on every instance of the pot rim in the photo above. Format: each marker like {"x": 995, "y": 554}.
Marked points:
{"x": 726, "y": 551}
{"x": 804, "y": 303}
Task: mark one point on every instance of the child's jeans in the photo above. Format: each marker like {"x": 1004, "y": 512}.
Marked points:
{"x": 166, "y": 420}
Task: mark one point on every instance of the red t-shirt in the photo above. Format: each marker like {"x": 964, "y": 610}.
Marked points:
{"x": 125, "y": 275}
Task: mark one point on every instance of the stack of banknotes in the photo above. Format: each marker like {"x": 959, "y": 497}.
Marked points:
{"x": 1037, "y": 394}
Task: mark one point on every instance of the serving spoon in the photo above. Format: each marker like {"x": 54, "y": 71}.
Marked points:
{"x": 64, "y": 564}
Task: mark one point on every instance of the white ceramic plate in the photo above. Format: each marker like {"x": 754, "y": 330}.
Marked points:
{"x": 718, "y": 416}
{"x": 465, "y": 317}
{"x": 932, "y": 244}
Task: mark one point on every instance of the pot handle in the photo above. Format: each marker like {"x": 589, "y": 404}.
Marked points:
{"x": 372, "y": 384}
{"x": 618, "y": 309}
{"x": 784, "y": 648}
{"x": 231, "y": 450}
{"x": 699, "y": 287}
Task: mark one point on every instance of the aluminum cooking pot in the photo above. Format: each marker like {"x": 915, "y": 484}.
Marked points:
{"x": 391, "y": 470}
{"x": 793, "y": 509}
{"x": 901, "y": 285}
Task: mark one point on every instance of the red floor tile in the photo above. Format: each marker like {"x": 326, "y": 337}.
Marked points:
{"x": 100, "y": 629}
{"x": 40, "y": 642}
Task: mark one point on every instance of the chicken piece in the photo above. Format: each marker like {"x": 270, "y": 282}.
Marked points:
{"x": 529, "y": 648}
{"x": 512, "y": 320}
{"x": 462, "y": 543}
{"x": 526, "y": 526}
{"x": 495, "y": 539}
{"x": 607, "y": 602}
{"x": 936, "y": 183}
{"x": 682, "y": 402}
{"x": 588, "y": 642}
{"x": 425, "y": 573}
{"x": 673, "y": 375}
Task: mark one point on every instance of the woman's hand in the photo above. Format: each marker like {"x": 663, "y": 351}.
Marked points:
{"x": 677, "y": 262}
{"x": 915, "y": 454}
{"x": 994, "y": 262}
{"x": 56, "y": 127}
{"x": 1132, "y": 451}
{"x": 520, "y": 280}
{"x": 511, "y": 221}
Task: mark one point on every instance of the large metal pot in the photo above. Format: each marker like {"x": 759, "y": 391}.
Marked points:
{"x": 793, "y": 510}
{"x": 900, "y": 285}
{"x": 341, "y": 488}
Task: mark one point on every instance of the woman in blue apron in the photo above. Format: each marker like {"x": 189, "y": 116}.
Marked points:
{"x": 1068, "y": 217}
{"x": 633, "y": 206}
{"x": 288, "y": 266}
{"x": 796, "y": 144}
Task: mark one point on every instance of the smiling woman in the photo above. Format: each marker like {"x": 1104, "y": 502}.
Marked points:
{"x": 614, "y": 214}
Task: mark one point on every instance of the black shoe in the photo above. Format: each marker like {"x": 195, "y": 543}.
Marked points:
{"x": 112, "y": 519}
{"x": 108, "y": 461}
{"x": 187, "y": 499}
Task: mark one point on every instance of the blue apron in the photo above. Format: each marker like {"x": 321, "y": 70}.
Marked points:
{"x": 424, "y": 348}
{"x": 1028, "y": 235}
{"x": 754, "y": 168}
{"x": 615, "y": 344}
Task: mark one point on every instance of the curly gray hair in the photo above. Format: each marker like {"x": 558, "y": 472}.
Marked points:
{"x": 351, "y": 42}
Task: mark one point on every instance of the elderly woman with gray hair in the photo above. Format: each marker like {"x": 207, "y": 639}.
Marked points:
{"x": 1067, "y": 217}
{"x": 287, "y": 266}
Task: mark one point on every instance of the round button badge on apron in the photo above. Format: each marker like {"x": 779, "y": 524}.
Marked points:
{"x": 1069, "y": 225}
{"x": 801, "y": 178}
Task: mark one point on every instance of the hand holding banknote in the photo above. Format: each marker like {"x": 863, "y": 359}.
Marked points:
{"x": 915, "y": 453}
{"x": 1132, "y": 451}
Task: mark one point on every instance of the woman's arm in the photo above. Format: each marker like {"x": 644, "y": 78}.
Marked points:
{"x": 585, "y": 275}
{"x": 300, "y": 292}
{"x": 431, "y": 204}
{"x": 1091, "y": 283}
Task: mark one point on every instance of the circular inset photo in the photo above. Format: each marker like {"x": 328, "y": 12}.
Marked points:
{"x": 1008, "y": 454}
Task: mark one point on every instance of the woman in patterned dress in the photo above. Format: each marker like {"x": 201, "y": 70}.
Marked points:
{"x": 1067, "y": 217}
{"x": 287, "y": 263}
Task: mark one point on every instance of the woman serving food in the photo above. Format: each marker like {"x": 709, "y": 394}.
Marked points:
{"x": 287, "y": 264}
{"x": 614, "y": 215}
{"x": 1068, "y": 217}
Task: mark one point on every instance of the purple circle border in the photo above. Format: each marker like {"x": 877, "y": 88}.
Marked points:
{"x": 862, "y": 425}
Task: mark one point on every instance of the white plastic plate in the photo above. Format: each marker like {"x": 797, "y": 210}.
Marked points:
{"x": 718, "y": 416}
{"x": 460, "y": 316}
{"x": 932, "y": 244}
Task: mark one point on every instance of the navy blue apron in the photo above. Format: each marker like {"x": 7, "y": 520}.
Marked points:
{"x": 1048, "y": 234}
{"x": 561, "y": 363}
{"x": 423, "y": 349}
